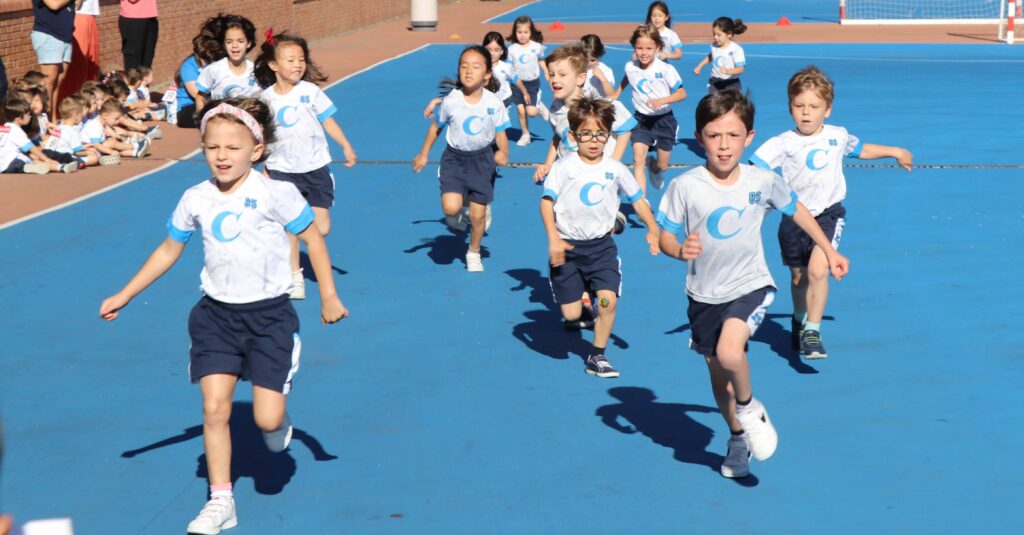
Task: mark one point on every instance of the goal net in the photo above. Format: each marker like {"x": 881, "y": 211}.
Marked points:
{"x": 997, "y": 12}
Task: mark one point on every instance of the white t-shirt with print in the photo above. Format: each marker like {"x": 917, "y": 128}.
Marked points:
{"x": 526, "y": 59}
{"x": 219, "y": 81}
{"x": 298, "y": 120}
{"x": 472, "y": 127}
{"x": 658, "y": 80}
{"x": 587, "y": 195}
{"x": 728, "y": 57}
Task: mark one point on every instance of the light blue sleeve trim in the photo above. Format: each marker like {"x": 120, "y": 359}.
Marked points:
{"x": 77, "y": 149}
{"x": 790, "y": 208}
{"x": 636, "y": 196}
{"x": 628, "y": 126}
{"x": 514, "y": 78}
{"x": 503, "y": 126}
{"x": 677, "y": 85}
{"x": 176, "y": 234}
{"x": 677, "y": 46}
{"x": 550, "y": 193}
{"x": 667, "y": 224}
{"x": 760, "y": 163}
{"x": 302, "y": 222}
{"x": 857, "y": 150}
{"x": 27, "y": 146}
{"x": 741, "y": 63}
{"x": 96, "y": 140}
{"x": 201, "y": 88}
{"x": 327, "y": 114}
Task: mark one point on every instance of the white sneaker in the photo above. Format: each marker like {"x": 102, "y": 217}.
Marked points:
{"x": 298, "y": 290}
{"x": 141, "y": 148}
{"x": 457, "y": 222}
{"x": 761, "y": 435}
{"x": 217, "y": 514}
{"x": 524, "y": 140}
{"x": 737, "y": 460}
{"x": 110, "y": 159}
{"x": 656, "y": 176}
{"x": 277, "y": 441}
{"x": 473, "y": 261}
{"x": 487, "y": 219}
{"x": 70, "y": 167}
{"x": 544, "y": 113}
{"x": 36, "y": 168}
{"x": 155, "y": 133}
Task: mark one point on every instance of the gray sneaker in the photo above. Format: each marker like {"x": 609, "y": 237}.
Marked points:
{"x": 277, "y": 441}
{"x": 737, "y": 460}
{"x": 810, "y": 345}
{"x": 656, "y": 176}
{"x": 599, "y": 366}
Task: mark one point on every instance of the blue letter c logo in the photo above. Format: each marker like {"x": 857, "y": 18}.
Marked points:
{"x": 715, "y": 218}
{"x": 811, "y": 157}
{"x": 585, "y": 193}
{"x": 218, "y": 221}
{"x": 467, "y": 125}
{"x": 282, "y": 119}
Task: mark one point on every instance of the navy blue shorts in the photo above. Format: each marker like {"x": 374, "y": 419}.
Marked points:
{"x": 468, "y": 173}
{"x": 61, "y": 157}
{"x": 316, "y": 186}
{"x": 591, "y": 265}
{"x": 16, "y": 166}
{"x": 706, "y": 320}
{"x": 258, "y": 341}
{"x": 719, "y": 84}
{"x": 655, "y": 131}
{"x": 796, "y": 245}
{"x": 532, "y": 87}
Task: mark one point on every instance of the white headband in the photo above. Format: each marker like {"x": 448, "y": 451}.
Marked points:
{"x": 239, "y": 113}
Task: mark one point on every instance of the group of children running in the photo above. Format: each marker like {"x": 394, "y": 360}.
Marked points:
{"x": 710, "y": 217}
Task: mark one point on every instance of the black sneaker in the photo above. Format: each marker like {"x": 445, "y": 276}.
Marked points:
{"x": 620, "y": 222}
{"x": 810, "y": 345}
{"x": 796, "y": 327}
{"x": 599, "y": 366}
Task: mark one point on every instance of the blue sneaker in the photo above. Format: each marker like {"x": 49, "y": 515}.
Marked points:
{"x": 810, "y": 345}
{"x": 599, "y": 366}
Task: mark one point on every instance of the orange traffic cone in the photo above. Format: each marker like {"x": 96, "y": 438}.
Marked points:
{"x": 783, "y": 22}
{"x": 557, "y": 26}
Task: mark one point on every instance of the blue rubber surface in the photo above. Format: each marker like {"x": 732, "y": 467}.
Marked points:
{"x": 453, "y": 402}
{"x": 690, "y": 11}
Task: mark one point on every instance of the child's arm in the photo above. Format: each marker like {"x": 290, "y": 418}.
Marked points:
{"x": 703, "y": 62}
{"x": 165, "y": 255}
{"x": 36, "y": 153}
{"x": 420, "y": 161}
{"x": 501, "y": 157}
{"x": 614, "y": 95}
{"x": 556, "y": 245}
{"x": 643, "y": 210}
{"x": 331, "y": 308}
{"x": 543, "y": 67}
{"x": 870, "y": 151}
{"x": 526, "y": 94}
{"x": 686, "y": 251}
{"x": 837, "y": 263}
{"x": 621, "y": 144}
{"x": 675, "y": 54}
{"x": 606, "y": 85}
{"x": 734, "y": 71}
{"x": 544, "y": 168}
{"x": 130, "y": 124}
{"x": 428, "y": 112}
{"x": 677, "y": 96}
{"x": 333, "y": 130}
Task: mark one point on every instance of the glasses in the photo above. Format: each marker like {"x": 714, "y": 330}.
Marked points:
{"x": 584, "y": 136}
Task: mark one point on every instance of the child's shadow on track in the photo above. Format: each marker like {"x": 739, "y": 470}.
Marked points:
{"x": 444, "y": 249}
{"x": 777, "y": 338}
{"x": 544, "y": 333}
{"x": 307, "y": 267}
{"x": 269, "y": 471}
{"x": 666, "y": 424}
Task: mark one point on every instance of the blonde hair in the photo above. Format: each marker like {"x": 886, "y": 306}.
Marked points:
{"x": 648, "y": 31}
{"x": 573, "y": 54}
{"x": 811, "y": 78}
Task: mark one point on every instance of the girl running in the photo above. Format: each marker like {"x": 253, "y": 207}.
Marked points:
{"x": 527, "y": 53}
{"x": 726, "y": 57}
{"x": 659, "y": 17}
{"x": 232, "y": 75}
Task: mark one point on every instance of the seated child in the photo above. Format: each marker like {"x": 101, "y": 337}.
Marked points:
{"x": 18, "y": 114}
{"x": 113, "y": 143}
{"x": 65, "y": 143}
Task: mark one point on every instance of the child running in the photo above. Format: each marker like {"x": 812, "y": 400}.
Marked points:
{"x": 727, "y": 59}
{"x": 503, "y": 72}
{"x": 231, "y": 76}
{"x": 476, "y": 120}
{"x": 527, "y": 53}
{"x": 579, "y": 206}
{"x": 656, "y": 85}
{"x": 720, "y": 208}
{"x": 659, "y": 17}
{"x": 304, "y": 117}
{"x": 811, "y": 159}
{"x": 600, "y": 77}
{"x": 244, "y": 323}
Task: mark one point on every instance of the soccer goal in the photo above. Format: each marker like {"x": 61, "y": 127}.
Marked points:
{"x": 995, "y": 12}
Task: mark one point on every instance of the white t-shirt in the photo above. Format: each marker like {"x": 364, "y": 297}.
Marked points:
{"x": 559, "y": 119}
{"x": 143, "y": 92}
{"x": 811, "y": 165}
{"x": 726, "y": 57}
{"x": 587, "y": 195}
{"x": 670, "y": 39}
{"x": 218, "y": 80}
{"x": 506, "y": 75}
{"x": 593, "y": 86}
{"x": 526, "y": 59}
{"x": 247, "y": 257}
{"x": 66, "y": 139}
{"x": 92, "y": 130}
{"x": 472, "y": 126}
{"x": 658, "y": 80}
{"x": 729, "y": 220}
{"x": 89, "y": 7}
{"x": 298, "y": 116}
{"x": 13, "y": 144}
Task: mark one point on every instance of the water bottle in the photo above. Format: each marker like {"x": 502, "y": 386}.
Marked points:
{"x": 170, "y": 100}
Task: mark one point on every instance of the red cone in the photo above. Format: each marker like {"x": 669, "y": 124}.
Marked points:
{"x": 557, "y": 26}
{"x": 783, "y": 22}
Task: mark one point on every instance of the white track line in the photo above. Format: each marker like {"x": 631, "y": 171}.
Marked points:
{"x": 186, "y": 157}
{"x": 511, "y": 10}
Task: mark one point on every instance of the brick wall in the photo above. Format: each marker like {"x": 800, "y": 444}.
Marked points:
{"x": 180, "y": 21}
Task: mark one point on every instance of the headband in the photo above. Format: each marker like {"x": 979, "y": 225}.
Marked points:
{"x": 236, "y": 112}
